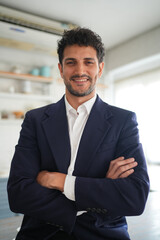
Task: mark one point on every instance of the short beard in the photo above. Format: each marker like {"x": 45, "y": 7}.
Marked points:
{"x": 78, "y": 94}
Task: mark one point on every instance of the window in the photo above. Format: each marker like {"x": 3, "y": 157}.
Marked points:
{"x": 141, "y": 94}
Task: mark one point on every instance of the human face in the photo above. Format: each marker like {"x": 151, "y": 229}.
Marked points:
{"x": 80, "y": 70}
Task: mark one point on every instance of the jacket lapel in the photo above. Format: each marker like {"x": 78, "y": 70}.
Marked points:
{"x": 56, "y": 130}
{"x": 95, "y": 130}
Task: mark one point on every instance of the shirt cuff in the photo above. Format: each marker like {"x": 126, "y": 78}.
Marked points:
{"x": 69, "y": 187}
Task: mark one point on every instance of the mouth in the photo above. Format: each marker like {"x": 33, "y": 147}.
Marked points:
{"x": 80, "y": 79}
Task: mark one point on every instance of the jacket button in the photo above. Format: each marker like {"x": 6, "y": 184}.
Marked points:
{"x": 104, "y": 211}
{"x": 88, "y": 209}
{"x": 61, "y": 228}
{"x": 99, "y": 210}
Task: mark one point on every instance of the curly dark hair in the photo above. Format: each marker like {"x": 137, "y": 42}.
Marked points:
{"x": 81, "y": 37}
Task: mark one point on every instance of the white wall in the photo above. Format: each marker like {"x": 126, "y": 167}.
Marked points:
{"x": 140, "y": 47}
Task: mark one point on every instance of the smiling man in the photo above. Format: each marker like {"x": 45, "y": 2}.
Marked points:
{"x": 78, "y": 168}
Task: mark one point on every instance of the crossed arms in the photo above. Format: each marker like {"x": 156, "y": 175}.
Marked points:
{"x": 118, "y": 168}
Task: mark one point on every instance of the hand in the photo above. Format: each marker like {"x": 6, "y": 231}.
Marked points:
{"x": 121, "y": 168}
{"x": 52, "y": 180}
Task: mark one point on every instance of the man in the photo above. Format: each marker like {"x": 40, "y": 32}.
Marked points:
{"x": 78, "y": 168}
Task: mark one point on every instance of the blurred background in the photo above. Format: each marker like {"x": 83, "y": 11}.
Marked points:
{"x": 29, "y": 77}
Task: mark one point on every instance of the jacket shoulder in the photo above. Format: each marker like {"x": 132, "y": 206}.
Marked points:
{"x": 120, "y": 111}
{"x": 45, "y": 110}
{"x": 114, "y": 110}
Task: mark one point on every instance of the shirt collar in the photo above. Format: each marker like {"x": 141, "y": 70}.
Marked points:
{"x": 88, "y": 104}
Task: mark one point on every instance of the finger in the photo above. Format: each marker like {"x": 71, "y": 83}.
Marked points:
{"x": 118, "y": 159}
{"x": 125, "y": 168}
{"x": 113, "y": 167}
{"x": 127, "y": 173}
{"x": 116, "y": 164}
{"x": 122, "y": 161}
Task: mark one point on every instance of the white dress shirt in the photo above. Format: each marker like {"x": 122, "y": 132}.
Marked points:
{"x": 76, "y": 123}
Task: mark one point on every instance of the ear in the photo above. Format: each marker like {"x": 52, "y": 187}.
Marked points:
{"x": 101, "y": 66}
{"x": 60, "y": 69}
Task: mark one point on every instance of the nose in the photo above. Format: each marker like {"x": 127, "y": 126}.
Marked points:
{"x": 80, "y": 68}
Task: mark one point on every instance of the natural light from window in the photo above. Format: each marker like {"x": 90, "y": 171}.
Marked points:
{"x": 141, "y": 94}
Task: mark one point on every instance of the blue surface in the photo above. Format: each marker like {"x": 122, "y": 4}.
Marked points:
{"x": 5, "y": 212}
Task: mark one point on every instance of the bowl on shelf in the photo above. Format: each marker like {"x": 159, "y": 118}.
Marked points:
{"x": 18, "y": 114}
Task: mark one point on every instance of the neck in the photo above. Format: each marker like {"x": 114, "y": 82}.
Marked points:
{"x": 75, "y": 102}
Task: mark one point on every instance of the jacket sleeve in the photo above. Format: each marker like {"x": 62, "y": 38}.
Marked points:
{"x": 123, "y": 196}
{"x": 25, "y": 195}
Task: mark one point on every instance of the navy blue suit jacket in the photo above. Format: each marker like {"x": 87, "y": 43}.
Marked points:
{"x": 44, "y": 144}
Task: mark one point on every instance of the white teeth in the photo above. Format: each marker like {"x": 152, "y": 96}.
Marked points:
{"x": 81, "y": 80}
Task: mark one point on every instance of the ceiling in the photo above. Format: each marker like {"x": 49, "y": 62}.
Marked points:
{"x": 115, "y": 21}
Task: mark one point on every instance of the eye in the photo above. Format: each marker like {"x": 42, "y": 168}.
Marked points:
{"x": 89, "y": 62}
{"x": 70, "y": 62}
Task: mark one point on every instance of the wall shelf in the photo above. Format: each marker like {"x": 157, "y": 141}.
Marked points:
{"x": 29, "y": 77}
{"x": 26, "y": 96}
{"x": 10, "y": 122}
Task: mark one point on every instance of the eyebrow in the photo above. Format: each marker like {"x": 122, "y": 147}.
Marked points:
{"x": 74, "y": 59}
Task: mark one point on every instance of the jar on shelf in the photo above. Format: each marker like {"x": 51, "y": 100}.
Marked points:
{"x": 26, "y": 87}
